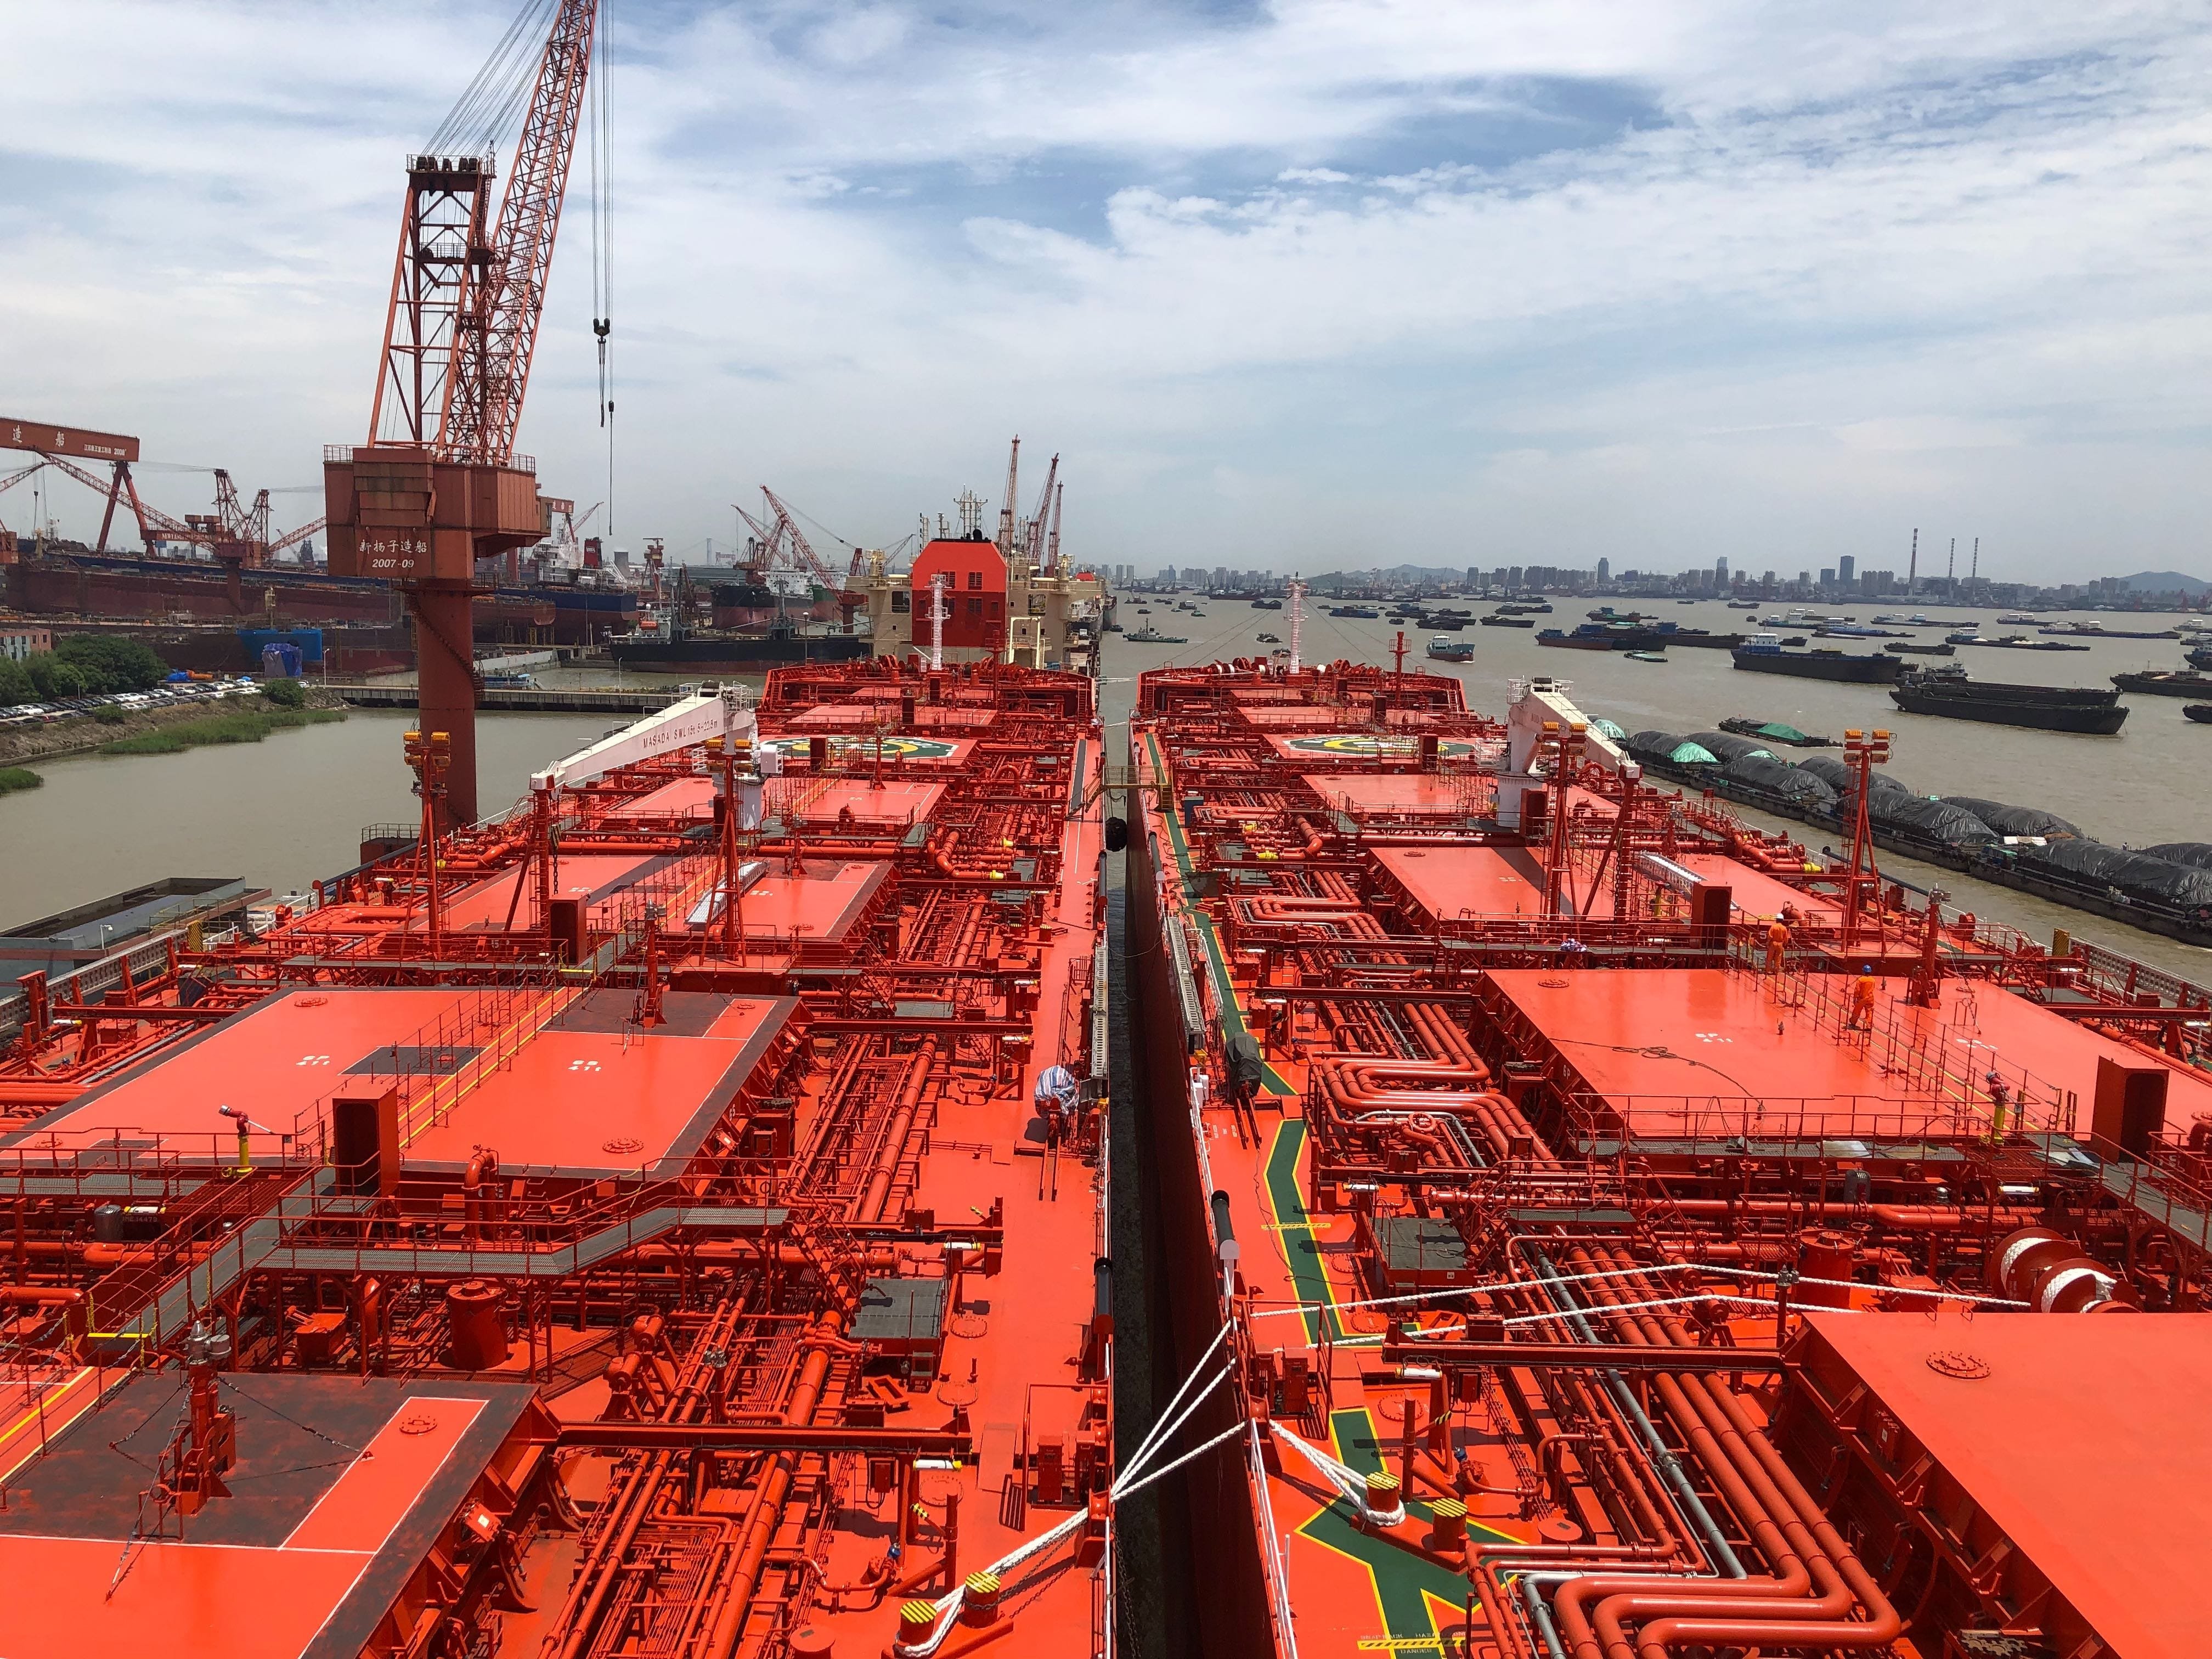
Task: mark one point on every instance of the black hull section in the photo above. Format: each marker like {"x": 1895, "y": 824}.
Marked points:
{"x": 735, "y": 656}
{"x": 2167, "y": 684}
{"x": 1820, "y": 665}
{"x": 2092, "y": 720}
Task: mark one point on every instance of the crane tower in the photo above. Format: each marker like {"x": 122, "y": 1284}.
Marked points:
{"x": 438, "y": 485}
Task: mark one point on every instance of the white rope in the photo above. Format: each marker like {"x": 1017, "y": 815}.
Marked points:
{"x": 1125, "y": 1487}
{"x": 1155, "y": 1443}
{"x": 948, "y": 1606}
{"x": 1345, "y": 1479}
{"x": 1479, "y": 1290}
{"x": 1146, "y": 1447}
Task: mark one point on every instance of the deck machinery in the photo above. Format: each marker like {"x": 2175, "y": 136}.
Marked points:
{"x": 667, "y": 1219}
{"x": 1562, "y": 1263}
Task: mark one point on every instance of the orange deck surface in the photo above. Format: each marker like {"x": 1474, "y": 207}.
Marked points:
{"x": 1403, "y": 794}
{"x": 2092, "y": 1455}
{"x": 564, "y": 1097}
{"x": 1725, "y": 1062}
{"x": 588, "y": 876}
{"x": 272, "y": 1062}
{"x": 1755, "y": 893}
{"x": 1449, "y": 882}
{"x": 819, "y": 904}
{"x": 896, "y": 801}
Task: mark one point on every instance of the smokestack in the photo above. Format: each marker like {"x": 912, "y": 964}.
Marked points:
{"x": 1951, "y": 570}
{"x": 1974, "y": 570}
{"x": 1912, "y": 570}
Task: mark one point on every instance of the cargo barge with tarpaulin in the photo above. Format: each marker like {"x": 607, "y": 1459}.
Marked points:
{"x": 1587, "y": 1229}
{"x": 2162, "y": 888}
{"x": 667, "y": 1216}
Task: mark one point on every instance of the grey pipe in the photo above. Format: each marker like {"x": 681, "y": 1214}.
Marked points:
{"x": 1670, "y": 1466}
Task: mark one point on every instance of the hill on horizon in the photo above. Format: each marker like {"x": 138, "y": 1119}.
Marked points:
{"x": 2165, "y": 581}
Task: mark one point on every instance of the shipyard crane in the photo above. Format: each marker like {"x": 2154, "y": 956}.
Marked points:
{"x": 788, "y": 525}
{"x": 437, "y": 484}
{"x": 1033, "y": 537}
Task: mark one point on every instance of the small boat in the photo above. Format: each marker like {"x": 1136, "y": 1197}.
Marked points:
{"x": 1606, "y": 613}
{"x": 1748, "y": 604}
{"x": 1946, "y": 650}
{"x": 2095, "y": 630}
{"x": 1774, "y": 731}
{"x": 1267, "y": 638}
{"x": 1443, "y": 650}
{"x": 1149, "y": 635}
{"x": 2018, "y": 617}
{"x": 1501, "y": 620}
{"x": 2199, "y": 712}
{"x": 2199, "y": 656}
{"x": 509, "y": 682}
{"x": 1645, "y": 656}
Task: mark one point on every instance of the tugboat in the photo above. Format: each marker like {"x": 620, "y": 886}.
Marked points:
{"x": 1762, "y": 653}
{"x": 1149, "y": 635}
{"x": 2040, "y": 708}
{"x": 2199, "y": 712}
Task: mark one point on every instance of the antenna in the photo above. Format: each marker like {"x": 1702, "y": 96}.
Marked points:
{"x": 1297, "y": 617}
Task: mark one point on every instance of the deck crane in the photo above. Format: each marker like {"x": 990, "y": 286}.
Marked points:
{"x": 437, "y": 485}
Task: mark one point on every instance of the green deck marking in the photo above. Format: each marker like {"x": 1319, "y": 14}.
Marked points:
{"x": 1217, "y": 964}
{"x": 1405, "y": 1584}
{"x": 1300, "y": 1248}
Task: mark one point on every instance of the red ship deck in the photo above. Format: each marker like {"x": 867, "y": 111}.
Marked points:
{"x": 342, "y": 1490}
{"x": 2086, "y": 1452}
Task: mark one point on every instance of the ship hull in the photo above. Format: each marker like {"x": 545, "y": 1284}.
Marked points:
{"x": 1821, "y": 665}
{"x": 2094, "y": 720}
{"x": 735, "y": 654}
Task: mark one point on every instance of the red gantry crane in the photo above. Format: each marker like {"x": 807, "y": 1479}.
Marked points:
{"x": 438, "y": 485}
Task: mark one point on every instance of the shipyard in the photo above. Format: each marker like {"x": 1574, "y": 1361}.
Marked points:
{"x": 1433, "y": 879}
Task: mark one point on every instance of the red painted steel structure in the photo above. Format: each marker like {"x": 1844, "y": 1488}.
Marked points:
{"x": 565, "y": 1260}
{"x": 1599, "y": 1273}
{"x": 438, "y": 485}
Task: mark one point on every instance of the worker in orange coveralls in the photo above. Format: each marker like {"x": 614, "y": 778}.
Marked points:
{"x": 1778, "y": 942}
{"x": 1862, "y": 998}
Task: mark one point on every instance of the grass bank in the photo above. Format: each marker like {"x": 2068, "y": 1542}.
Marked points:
{"x": 238, "y": 725}
{"x": 13, "y": 778}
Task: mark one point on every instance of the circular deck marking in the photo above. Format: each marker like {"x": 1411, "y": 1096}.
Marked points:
{"x": 420, "y": 1423}
{"x": 311, "y": 1002}
{"x": 845, "y": 747}
{"x": 624, "y": 1144}
{"x": 1956, "y": 1361}
{"x": 1367, "y": 743}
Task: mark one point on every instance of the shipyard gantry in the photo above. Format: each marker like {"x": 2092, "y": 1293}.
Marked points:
{"x": 1593, "y": 1231}
{"x": 667, "y": 1219}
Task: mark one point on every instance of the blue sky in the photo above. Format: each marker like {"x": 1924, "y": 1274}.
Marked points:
{"x": 1300, "y": 285}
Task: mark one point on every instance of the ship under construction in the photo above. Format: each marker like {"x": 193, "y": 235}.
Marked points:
{"x": 1589, "y": 1229}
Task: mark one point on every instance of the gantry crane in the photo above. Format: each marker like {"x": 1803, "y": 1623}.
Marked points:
{"x": 438, "y": 485}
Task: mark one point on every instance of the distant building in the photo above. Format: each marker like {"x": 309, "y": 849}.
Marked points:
{"x": 1604, "y": 570}
{"x": 1846, "y": 567}
{"x": 19, "y": 639}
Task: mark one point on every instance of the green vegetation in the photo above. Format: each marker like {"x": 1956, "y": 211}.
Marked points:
{"x": 285, "y": 694}
{"x": 242, "y": 725}
{"x": 13, "y": 778}
{"x": 109, "y": 714}
{"x": 83, "y": 665}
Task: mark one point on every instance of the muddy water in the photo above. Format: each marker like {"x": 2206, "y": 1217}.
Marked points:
{"x": 280, "y": 812}
{"x": 2151, "y": 783}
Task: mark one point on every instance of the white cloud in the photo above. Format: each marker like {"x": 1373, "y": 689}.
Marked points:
{"x": 1597, "y": 277}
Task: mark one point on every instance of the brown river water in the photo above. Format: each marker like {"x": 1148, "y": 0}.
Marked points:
{"x": 286, "y": 810}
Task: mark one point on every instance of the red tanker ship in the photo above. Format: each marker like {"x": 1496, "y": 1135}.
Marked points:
{"x": 668, "y": 1219}
{"x": 1595, "y": 1230}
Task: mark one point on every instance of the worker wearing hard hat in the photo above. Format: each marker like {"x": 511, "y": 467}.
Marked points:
{"x": 1777, "y": 944}
{"x": 1862, "y": 998}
